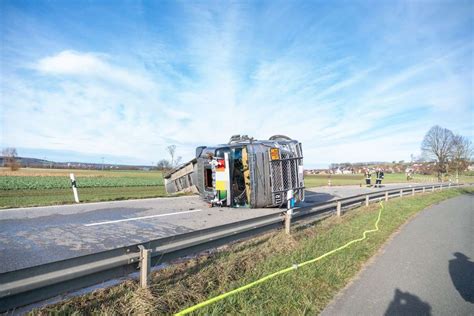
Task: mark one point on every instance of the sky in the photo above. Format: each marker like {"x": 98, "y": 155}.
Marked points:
{"x": 352, "y": 80}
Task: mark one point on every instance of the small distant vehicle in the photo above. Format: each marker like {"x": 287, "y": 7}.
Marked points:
{"x": 243, "y": 173}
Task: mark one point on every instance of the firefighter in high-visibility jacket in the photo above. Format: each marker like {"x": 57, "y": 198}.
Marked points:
{"x": 379, "y": 177}
{"x": 368, "y": 177}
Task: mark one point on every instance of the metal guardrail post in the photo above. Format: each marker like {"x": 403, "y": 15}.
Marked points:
{"x": 441, "y": 187}
{"x": 366, "y": 200}
{"x": 145, "y": 266}
{"x": 424, "y": 190}
{"x": 338, "y": 209}
{"x": 386, "y": 196}
{"x": 401, "y": 192}
{"x": 288, "y": 215}
{"x": 413, "y": 191}
{"x": 432, "y": 188}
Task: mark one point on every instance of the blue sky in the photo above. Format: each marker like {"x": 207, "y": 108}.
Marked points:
{"x": 353, "y": 81}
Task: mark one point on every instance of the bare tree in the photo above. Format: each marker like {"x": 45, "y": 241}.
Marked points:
{"x": 172, "y": 151}
{"x": 9, "y": 158}
{"x": 461, "y": 153}
{"x": 178, "y": 160}
{"x": 438, "y": 145}
{"x": 163, "y": 164}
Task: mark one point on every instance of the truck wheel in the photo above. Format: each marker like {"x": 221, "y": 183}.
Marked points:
{"x": 279, "y": 137}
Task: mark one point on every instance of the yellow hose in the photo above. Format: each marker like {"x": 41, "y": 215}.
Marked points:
{"x": 270, "y": 276}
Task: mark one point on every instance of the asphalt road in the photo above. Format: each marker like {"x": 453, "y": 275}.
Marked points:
{"x": 427, "y": 269}
{"x": 33, "y": 236}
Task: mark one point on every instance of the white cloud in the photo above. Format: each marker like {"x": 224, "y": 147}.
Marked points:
{"x": 341, "y": 108}
{"x": 91, "y": 65}
{"x": 71, "y": 63}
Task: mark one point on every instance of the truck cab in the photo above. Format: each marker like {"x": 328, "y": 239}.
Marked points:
{"x": 243, "y": 173}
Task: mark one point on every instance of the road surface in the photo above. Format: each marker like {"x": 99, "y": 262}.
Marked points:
{"x": 37, "y": 235}
{"x": 427, "y": 269}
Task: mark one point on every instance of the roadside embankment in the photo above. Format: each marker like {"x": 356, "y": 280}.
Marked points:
{"x": 307, "y": 290}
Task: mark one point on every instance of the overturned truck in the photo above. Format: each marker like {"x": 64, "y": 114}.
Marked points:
{"x": 243, "y": 173}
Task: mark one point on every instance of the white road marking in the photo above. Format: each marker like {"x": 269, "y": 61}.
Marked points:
{"x": 139, "y": 218}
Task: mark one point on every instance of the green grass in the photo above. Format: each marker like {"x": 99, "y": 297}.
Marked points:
{"x": 37, "y": 187}
{"x": 304, "y": 291}
{"x": 31, "y": 182}
{"x": 59, "y": 179}
{"x": 322, "y": 180}
{"x": 23, "y": 198}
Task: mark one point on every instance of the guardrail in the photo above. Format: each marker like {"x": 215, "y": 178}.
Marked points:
{"x": 25, "y": 286}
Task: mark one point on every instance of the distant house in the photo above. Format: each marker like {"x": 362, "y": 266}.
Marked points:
{"x": 342, "y": 170}
{"x": 314, "y": 171}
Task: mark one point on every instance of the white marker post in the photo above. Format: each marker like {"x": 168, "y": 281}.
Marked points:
{"x": 74, "y": 187}
{"x": 289, "y": 213}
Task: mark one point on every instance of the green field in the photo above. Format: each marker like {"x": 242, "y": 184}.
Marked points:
{"x": 36, "y": 187}
{"x": 22, "y": 198}
{"x": 21, "y": 183}
{"x": 323, "y": 180}
{"x": 304, "y": 291}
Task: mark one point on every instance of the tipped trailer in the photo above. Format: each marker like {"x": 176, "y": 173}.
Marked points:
{"x": 243, "y": 173}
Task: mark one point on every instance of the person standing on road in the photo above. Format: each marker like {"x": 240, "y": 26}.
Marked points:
{"x": 367, "y": 177}
{"x": 379, "y": 177}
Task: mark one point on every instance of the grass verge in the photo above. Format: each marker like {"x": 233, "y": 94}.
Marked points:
{"x": 305, "y": 291}
{"x": 39, "y": 197}
{"x": 356, "y": 179}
